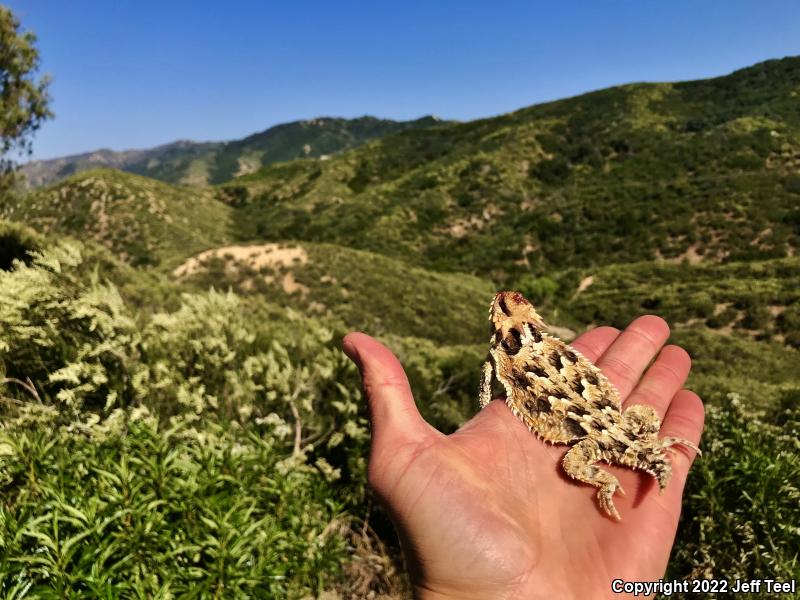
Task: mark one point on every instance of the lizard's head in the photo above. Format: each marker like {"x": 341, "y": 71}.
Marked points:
{"x": 511, "y": 308}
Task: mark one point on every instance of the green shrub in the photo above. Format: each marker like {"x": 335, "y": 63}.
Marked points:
{"x": 789, "y": 324}
{"x": 755, "y": 317}
{"x": 700, "y": 304}
{"x": 553, "y": 171}
{"x": 148, "y": 512}
{"x": 17, "y": 243}
{"x": 73, "y": 338}
{"x": 197, "y": 451}
{"x": 739, "y": 516}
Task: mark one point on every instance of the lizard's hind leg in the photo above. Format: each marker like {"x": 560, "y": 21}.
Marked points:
{"x": 579, "y": 464}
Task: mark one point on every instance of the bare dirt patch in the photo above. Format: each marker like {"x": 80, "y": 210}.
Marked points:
{"x": 776, "y": 309}
{"x": 461, "y": 227}
{"x": 270, "y": 261}
{"x": 256, "y": 257}
{"x": 290, "y": 285}
{"x": 690, "y": 255}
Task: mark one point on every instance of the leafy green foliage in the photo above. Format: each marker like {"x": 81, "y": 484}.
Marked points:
{"x": 75, "y": 338}
{"x": 197, "y": 420}
{"x": 170, "y": 513}
{"x": 23, "y": 99}
{"x": 740, "y": 516}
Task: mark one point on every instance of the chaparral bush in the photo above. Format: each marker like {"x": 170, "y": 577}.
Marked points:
{"x": 197, "y": 454}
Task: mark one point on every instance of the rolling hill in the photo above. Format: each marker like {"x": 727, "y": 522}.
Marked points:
{"x": 142, "y": 221}
{"x": 200, "y": 163}
{"x": 359, "y": 287}
{"x": 638, "y": 172}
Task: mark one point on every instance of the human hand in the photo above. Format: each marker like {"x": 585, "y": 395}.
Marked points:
{"x": 488, "y": 512}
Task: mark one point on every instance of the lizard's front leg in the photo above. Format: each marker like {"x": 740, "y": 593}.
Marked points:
{"x": 485, "y": 394}
{"x": 579, "y": 464}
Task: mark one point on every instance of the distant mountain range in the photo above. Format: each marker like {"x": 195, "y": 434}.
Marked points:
{"x": 201, "y": 163}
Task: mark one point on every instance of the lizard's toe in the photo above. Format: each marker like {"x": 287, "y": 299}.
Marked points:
{"x": 604, "y": 496}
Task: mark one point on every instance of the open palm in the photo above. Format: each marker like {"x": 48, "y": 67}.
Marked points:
{"x": 487, "y": 512}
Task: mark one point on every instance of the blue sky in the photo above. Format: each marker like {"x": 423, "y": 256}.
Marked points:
{"x": 136, "y": 74}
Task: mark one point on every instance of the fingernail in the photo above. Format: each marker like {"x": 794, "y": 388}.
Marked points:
{"x": 350, "y": 351}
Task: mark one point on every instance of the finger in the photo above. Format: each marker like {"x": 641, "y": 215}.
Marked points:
{"x": 595, "y": 342}
{"x": 684, "y": 420}
{"x": 663, "y": 379}
{"x": 393, "y": 414}
{"x": 625, "y": 361}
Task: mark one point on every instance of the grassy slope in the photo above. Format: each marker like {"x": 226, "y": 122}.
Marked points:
{"x": 365, "y": 290}
{"x": 143, "y": 221}
{"x": 757, "y": 298}
{"x": 620, "y": 175}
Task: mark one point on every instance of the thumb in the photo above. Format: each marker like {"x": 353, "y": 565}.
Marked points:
{"x": 393, "y": 414}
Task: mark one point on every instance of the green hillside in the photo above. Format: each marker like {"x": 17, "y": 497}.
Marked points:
{"x": 200, "y": 163}
{"x": 739, "y": 321}
{"x": 314, "y": 138}
{"x": 142, "y": 221}
{"x": 757, "y": 299}
{"x": 360, "y": 288}
{"x": 631, "y": 173}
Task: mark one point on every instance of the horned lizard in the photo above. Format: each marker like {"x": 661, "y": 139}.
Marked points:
{"x": 560, "y": 395}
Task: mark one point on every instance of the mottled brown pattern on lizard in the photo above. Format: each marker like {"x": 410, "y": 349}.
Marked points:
{"x": 561, "y": 396}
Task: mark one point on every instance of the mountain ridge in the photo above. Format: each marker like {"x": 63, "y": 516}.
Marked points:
{"x": 639, "y": 172}
{"x": 207, "y": 162}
